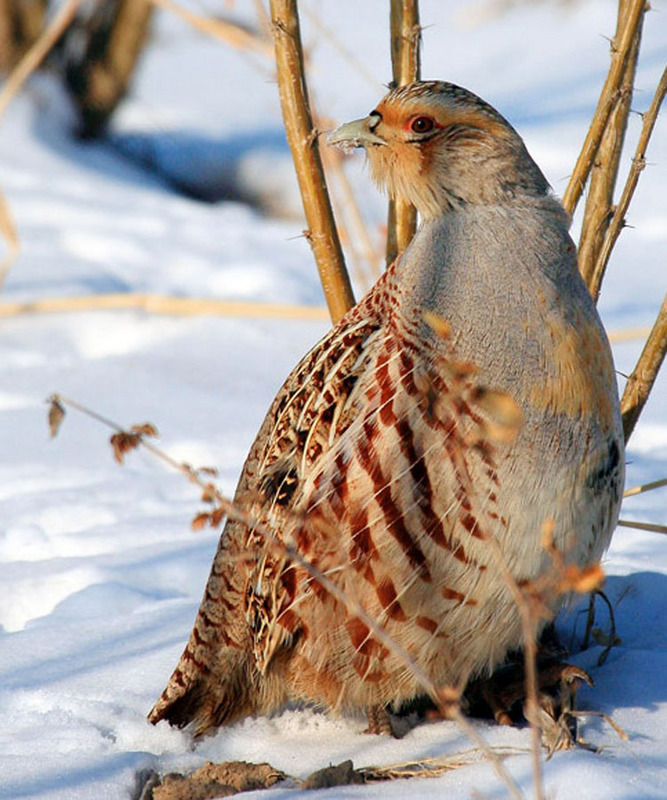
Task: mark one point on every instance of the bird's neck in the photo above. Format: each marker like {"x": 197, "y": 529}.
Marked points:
{"x": 493, "y": 272}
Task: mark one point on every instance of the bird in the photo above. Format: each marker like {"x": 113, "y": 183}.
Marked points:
{"x": 402, "y": 480}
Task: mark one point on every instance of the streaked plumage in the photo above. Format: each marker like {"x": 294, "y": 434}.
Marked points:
{"x": 391, "y": 454}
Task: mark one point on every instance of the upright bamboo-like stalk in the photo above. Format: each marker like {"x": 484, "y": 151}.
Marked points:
{"x": 604, "y": 172}
{"x": 405, "y": 63}
{"x": 621, "y": 47}
{"x": 641, "y": 381}
{"x": 638, "y": 164}
{"x": 302, "y": 139}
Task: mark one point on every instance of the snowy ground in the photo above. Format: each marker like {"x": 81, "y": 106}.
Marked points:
{"x": 101, "y": 575}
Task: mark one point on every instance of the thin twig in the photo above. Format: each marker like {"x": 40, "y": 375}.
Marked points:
{"x": 226, "y": 32}
{"x": 643, "y": 376}
{"x": 646, "y": 487}
{"x": 161, "y": 304}
{"x": 405, "y": 63}
{"x": 233, "y": 511}
{"x": 36, "y": 54}
{"x": 302, "y": 139}
{"x": 8, "y": 230}
{"x": 643, "y": 526}
{"x": 621, "y": 46}
{"x": 347, "y": 207}
{"x": 598, "y": 209}
{"x": 638, "y": 164}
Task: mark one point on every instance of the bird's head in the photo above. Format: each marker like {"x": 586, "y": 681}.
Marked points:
{"x": 440, "y": 147}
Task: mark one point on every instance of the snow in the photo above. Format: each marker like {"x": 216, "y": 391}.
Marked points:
{"x": 101, "y": 574}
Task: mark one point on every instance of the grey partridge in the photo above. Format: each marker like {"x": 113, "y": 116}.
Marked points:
{"x": 390, "y": 458}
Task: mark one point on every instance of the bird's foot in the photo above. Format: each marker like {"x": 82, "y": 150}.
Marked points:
{"x": 557, "y": 686}
{"x": 379, "y": 721}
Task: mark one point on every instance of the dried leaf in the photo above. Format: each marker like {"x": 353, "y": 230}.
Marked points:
{"x": 213, "y": 471}
{"x": 504, "y": 413}
{"x": 209, "y": 493}
{"x": 56, "y": 415}
{"x": 438, "y": 324}
{"x": 200, "y": 521}
{"x": 147, "y": 429}
{"x": 122, "y": 443}
{"x": 217, "y": 516}
{"x": 583, "y": 580}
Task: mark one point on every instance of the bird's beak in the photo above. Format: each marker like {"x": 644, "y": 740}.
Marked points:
{"x": 355, "y": 134}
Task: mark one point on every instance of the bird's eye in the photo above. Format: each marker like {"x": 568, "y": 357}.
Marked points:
{"x": 422, "y": 124}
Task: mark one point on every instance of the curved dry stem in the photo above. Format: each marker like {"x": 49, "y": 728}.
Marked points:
{"x": 646, "y": 487}
{"x": 302, "y": 139}
{"x": 405, "y": 63}
{"x": 621, "y": 46}
{"x": 638, "y": 164}
{"x": 598, "y": 210}
{"x": 643, "y": 376}
{"x": 36, "y": 54}
{"x": 8, "y": 230}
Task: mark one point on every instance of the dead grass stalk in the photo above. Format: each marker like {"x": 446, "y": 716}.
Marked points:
{"x": 302, "y": 139}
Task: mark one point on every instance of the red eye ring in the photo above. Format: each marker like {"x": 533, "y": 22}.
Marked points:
{"x": 421, "y": 124}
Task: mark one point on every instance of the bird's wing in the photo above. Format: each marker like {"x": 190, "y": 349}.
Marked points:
{"x": 379, "y": 463}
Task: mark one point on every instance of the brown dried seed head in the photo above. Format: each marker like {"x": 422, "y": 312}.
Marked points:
{"x": 146, "y": 429}
{"x": 56, "y": 415}
{"x": 438, "y": 324}
{"x": 122, "y": 443}
{"x": 200, "y": 521}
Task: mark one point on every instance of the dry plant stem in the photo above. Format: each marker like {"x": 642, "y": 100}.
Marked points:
{"x": 598, "y": 209}
{"x": 340, "y": 193}
{"x": 642, "y": 526}
{"x": 646, "y": 487}
{"x": 233, "y": 511}
{"x": 8, "y": 230}
{"x": 642, "y": 378}
{"x": 621, "y": 46}
{"x": 35, "y": 55}
{"x": 530, "y": 668}
{"x": 226, "y": 32}
{"x": 347, "y": 202}
{"x": 638, "y": 164}
{"x": 405, "y": 63}
{"x": 302, "y": 140}
{"x": 198, "y": 306}
{"x": 161, "y": 304}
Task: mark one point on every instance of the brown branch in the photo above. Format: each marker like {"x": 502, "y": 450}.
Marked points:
{"x": 405, "y": 64}
{"x": 643, "y": 526}
{"x": 621, "y": 46}
{"x": 646, "y": 487}
{"x": 302, "y": 139}
{"x": 604, "y": 172}
{"x": 638, "y": 164}
{"x": 643, "y": 376}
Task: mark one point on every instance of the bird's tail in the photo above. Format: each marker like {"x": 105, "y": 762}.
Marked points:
{"x": 215, "y": 681}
